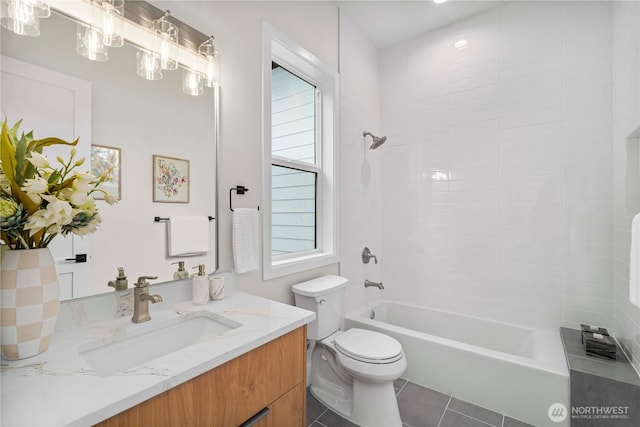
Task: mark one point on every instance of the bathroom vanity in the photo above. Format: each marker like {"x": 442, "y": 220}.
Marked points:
{"x": 266, "y": 383}
{"x": 246, "y": 361}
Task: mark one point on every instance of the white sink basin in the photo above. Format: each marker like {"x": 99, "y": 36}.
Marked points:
{"x": 147, "y": 342}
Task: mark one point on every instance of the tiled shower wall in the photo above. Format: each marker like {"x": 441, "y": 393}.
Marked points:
{"x": 360, "y": 172}
{"x": 626, "y": 160}
{"x": 496, "y": 178}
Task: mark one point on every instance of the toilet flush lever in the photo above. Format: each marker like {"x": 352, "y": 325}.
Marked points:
{"x": 321, "y": 302}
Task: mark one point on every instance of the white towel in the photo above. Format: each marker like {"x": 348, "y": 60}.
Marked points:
{"x": 188, "y": 235}
{"x": 634, "y": 262}
{"x": 245, "y": 240}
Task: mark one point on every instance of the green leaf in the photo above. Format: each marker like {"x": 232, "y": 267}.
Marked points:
{"x": 21, "y": 153}
{"x": 29, "y": 170}
{"x": 37, "y": 144}
{"x": 54, "y": 177}
{"x": 7, "y": 153}
{"x": 8, "y": 158}
{"x": 14, "y": 129}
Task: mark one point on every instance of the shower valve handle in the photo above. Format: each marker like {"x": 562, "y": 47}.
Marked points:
{"x": 367, "y": 255}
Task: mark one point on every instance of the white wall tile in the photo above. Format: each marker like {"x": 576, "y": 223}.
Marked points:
{"x": 529, "y": 125}
{"x": 523, "y": 222}
{"x": 626, "y": 118}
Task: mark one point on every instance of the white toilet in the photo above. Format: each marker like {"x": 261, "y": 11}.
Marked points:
{"x": 351, "y": 372}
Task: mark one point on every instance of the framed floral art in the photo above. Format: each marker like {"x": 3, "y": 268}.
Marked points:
{"x": 102, "y": 159}
{"x": 170, "y": 179}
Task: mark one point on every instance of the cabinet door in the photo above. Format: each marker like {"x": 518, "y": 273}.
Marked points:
{"x": 289, "y": 410}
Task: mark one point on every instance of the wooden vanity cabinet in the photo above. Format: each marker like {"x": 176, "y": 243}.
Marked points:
{"x": 271, "y": 376}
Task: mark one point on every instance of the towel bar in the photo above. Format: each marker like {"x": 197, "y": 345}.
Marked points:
{"x": 158, "y": 219}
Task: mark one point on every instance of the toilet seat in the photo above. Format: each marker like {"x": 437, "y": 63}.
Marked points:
{"x": 368, "y": 346}
{"x": 367, "y": 355}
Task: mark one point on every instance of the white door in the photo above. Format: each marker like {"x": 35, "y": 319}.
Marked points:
{"x": 53, "y": 104}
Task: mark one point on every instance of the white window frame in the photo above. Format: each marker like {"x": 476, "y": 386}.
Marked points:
{"x": 285, "y": 52}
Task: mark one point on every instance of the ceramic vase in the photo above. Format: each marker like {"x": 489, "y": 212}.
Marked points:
{"x": 29, "y": 301}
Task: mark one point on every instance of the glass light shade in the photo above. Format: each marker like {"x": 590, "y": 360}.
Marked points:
{"x": 212, "y": 75}
{"x": 112, "y": 12}
{"x": 41, "y": 9}
{"x": 192, "y": 82}
{"x": 148, "y": 65}
{"x": 165, "y": 44}
{"x": 208, "y": 50}
{"x": 18, "y": 16}
{"x": 89, "y": 43}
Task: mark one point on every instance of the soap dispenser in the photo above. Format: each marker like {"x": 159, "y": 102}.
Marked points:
{"x": 181, "y": 273}
{"x": 200, "y": 292}
{"x": 121, "y": 283}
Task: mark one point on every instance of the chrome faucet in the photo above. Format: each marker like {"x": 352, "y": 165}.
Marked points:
{"x": 367, "y": 255}
{"x": 141, "y": 300}
{"x": 368, "y": 283}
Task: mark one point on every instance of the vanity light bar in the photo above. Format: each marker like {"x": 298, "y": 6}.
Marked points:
{"x": 136, "y": 33}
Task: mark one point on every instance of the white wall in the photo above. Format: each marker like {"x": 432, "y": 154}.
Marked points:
{"x": 359, "y": 167}
{"x": 626, "y": 160}
{"x": 520, "y": 122}
{"x": 237, "y": 27}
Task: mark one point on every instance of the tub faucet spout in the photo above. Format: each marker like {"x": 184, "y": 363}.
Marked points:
{"x": 368, "y": 283}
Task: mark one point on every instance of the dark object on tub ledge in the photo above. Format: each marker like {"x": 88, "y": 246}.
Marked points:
{"x": 598, "y": 345}
{"x": 596, "y": 329}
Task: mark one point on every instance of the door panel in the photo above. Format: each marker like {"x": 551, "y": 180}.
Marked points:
{"x": 53, "y": 104}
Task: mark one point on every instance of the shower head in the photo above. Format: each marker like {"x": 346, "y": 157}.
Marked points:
{"x": 377, "y": 140}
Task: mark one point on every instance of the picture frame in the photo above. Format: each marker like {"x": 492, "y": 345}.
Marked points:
{"x": 170, "y": 179}
{"x": 102, "y": 158}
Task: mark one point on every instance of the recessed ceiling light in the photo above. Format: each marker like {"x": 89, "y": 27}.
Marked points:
{"x": 439, "y": 1}
{"x": 462, "y": 43}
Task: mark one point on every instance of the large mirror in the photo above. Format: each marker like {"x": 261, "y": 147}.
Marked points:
{"x": 108, "y": 105}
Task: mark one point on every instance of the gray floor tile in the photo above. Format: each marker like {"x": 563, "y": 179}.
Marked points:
{"x": 476, "y": 412}
{"x": 510, "y": 422}
{"x": 332, "y": 419}
{"x": 421, "y": 407}
{"x": 456, "y": 419}
{"x": 398, "y": 384}
{"x": 314, "y": 408}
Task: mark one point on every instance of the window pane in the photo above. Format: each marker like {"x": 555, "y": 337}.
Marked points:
{"x": 293, "y": 119}
{"x": 293, "y": 210}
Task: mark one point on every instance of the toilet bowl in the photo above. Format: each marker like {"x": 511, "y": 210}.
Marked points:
{"x": 351, "y": 372}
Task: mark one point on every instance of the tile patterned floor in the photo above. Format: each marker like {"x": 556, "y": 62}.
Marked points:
{"x": 420, "y": 407}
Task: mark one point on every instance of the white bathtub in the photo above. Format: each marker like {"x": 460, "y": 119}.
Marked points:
{"x": 509, "y": 369}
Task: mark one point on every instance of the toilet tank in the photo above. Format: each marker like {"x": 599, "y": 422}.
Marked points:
{"x": 324, "y": 296}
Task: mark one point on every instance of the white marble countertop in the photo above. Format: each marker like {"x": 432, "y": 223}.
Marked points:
{"x": 59, "y": 388}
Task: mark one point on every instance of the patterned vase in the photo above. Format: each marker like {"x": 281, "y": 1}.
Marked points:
{"x": 29, "y": 301}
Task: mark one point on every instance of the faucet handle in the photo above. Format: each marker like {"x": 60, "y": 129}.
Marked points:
{"x": 367, "y": 255}
{"x": 142, "y": 281}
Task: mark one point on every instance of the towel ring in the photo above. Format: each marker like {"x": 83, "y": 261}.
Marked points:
{"x": 239, "y": 189}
